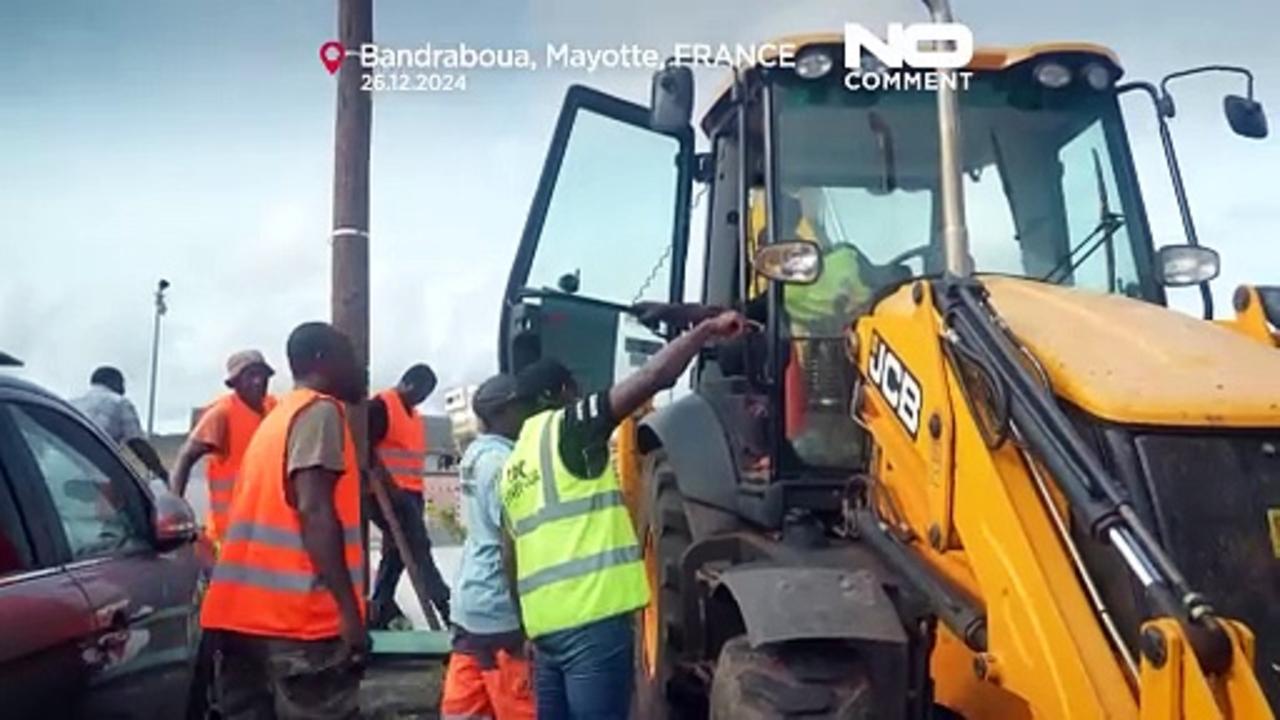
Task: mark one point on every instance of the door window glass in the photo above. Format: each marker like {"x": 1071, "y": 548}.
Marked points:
{"x": 610, "y": 218}
{"x": 98, "y": 504}
{"x": 15, "y": 553}
{"x": 1102, "y": 256}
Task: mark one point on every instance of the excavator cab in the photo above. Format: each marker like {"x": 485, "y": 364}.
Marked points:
{"x": 931, "y": 483}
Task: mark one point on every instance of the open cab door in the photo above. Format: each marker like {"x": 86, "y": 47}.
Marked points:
{"x": 607, "y": 229}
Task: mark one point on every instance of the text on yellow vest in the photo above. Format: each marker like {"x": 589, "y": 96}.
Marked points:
{"x": 577, "y": 557}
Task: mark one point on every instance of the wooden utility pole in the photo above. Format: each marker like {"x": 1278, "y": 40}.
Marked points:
{"x": 351, "y": 195}
{"x": 350, "y": 281}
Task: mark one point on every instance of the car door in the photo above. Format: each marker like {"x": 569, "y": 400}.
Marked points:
{"x": 607, "y": 229}
{"x": 143, "y": 604}
{"x": 44, "y": 616}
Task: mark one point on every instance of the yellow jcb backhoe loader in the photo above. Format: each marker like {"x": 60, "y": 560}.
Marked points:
{"x": 970, "y": 464}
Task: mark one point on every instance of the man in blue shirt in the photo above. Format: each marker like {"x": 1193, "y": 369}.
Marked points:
{"x": 488, "y": 672}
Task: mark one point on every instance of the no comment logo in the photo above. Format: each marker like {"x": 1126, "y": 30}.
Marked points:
{"x": 916, "y": 56}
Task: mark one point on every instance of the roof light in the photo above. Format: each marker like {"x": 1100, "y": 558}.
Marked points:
{"x": 1053, "y": 75}
{"x": 1097, "y": 75}
{"x": 814, "y": 64}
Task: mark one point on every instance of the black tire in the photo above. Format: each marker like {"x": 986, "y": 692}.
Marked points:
{"x": 816, "y": 681}
{"x": 200, "y": 705}
{"x": 666, "y": 523}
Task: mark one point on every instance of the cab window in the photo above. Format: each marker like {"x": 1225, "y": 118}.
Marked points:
{"x": 607, "y": 232}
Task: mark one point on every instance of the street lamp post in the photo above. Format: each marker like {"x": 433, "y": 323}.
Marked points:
{"x": 161, "y": 308}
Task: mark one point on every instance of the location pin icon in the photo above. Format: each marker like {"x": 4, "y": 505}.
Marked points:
{"x": 331, "y": 54}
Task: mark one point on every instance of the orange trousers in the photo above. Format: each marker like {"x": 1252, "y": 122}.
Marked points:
{"x": 501, "y": 692}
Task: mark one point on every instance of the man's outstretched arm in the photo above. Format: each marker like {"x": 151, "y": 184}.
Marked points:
{"x": 192, "y": 451}
{"x": 666, "y": 366}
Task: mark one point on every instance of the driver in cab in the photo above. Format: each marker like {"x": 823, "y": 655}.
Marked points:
{"x": 819, "y": 373}
{"x": 826, "y": 307}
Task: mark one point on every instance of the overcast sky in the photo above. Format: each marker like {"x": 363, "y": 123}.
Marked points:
{"x": 142, "y": 139}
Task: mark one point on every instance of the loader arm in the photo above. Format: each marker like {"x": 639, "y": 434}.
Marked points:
{"x": 1212, "y": 675}
{"x": 953, "y": 399}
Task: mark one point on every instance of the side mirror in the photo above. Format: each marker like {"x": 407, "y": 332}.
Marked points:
{"x": 1245, "y": 116}
{"x": 795, "y": 262}
{"x": 173, "y": 522}
{"x": 671, "y": 99}
{"x": 1183, "y": 265}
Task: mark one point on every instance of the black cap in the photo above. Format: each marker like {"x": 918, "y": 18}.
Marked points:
{"x": 494, "y": 394}
{"x": 543, "y": 378}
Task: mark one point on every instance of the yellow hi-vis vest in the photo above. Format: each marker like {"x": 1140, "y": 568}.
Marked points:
{"x": 840, "y": 281}
{"x": 577, "y": 557}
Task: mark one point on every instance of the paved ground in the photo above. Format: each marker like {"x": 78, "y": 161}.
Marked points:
{"x": 405, "y": 689}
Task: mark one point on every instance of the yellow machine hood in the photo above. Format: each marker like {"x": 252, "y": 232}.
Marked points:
{"x": 1129, "y": 361}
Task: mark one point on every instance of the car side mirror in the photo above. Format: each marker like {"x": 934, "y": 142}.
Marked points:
{"x": 795, "y": 262}
{"x": 1183, "y": 265}
{"x": 173, "y": 523}
{"x": 1245, "y": 116}
{"x": 671, "y": 99}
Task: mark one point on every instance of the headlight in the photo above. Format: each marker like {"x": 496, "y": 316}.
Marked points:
{"x": 1053, "y": 75}
{"x": 814, "y": 64}
{"x": 1097, "y": 75}
{"x": 1182, "y": 265}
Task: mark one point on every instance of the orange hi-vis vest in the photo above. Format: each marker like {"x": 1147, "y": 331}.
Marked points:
{"x": 223, "y": 469}
{"x": 404, "y": 448}
{"x": 264, "y": 582}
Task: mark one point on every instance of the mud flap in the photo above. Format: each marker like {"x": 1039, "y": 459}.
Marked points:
{"x": 781, "y": 603}
{"x": 816, "y": 621}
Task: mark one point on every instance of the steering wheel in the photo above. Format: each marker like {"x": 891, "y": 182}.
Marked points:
{"x": 918, "y": 251}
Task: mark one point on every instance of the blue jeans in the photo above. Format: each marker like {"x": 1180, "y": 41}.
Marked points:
{"x": 584, "y": 673}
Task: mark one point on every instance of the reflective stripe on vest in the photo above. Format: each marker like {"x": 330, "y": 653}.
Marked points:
{"x": 580, "y": 566}
{"x": 224, "y": 466}
{"x": 277, "y": 580}
{"x": 403, "y": 461}
{"x": 279, "y": 537}
{"x": 264, "y": 582}
{"x": 403, "y": 450}
{"x": 552, "y": 508}
{"x": 582, "y": 551}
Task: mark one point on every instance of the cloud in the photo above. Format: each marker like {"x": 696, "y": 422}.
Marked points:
{"x": 215, "y": 170}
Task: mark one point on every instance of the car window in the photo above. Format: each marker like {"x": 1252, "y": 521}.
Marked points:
{"x": 99, "y": 506}
{"x": 15, "y": 550}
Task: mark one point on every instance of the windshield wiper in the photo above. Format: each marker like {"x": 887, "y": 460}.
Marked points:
{"x": 1100, "y": 236}
{"x": 884, "y": 143}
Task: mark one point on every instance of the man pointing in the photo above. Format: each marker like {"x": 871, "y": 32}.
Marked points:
{"x": 579, "y": 574}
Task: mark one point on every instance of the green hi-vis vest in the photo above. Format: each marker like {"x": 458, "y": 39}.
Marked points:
{"x": 840, "y": 280}
{"x": 577, "y": 558}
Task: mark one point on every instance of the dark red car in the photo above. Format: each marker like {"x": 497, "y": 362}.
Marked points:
{"x": 100, "y": 575}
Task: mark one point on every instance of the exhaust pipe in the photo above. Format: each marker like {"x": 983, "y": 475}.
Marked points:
{"x": 955, "y": 233}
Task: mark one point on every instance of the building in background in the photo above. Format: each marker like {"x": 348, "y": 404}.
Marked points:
{"x": 457, "y": 406}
